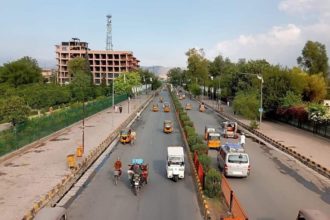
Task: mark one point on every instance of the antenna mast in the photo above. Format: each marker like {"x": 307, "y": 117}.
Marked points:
{"x": 109, "y": 33}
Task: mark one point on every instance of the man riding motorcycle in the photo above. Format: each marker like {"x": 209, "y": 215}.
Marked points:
{"x": 117, "y": 166}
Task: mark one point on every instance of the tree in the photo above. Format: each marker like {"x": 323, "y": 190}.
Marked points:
{"x": 150, "y": 78}
{"x": 20, "y": 72}
{"x": 316, "y": 89}
{"x": 15, "y": 110}
{"x": 175, "y": 75}
{"x": 195, "y": 89}
{"x": 81, "y": 86}
{"x": 247, "y": 104}
{"x": 291, "y": 99}
{"x": 78, "y": 64}
{"x": 126, "y": 81}
{"x": 314, "y": 58}
{"x": 216, "y": 67}
{"x": 197, "y": 65}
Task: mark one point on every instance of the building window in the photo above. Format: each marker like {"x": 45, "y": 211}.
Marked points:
{"x": 97, "y": 81}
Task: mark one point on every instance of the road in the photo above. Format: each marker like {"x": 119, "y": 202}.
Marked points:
{"x": 278, "y": 185}
{"x": 160, "y": 199}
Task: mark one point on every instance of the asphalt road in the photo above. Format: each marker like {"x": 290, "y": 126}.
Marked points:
{"x": 278, "y": 185}
{"x": 160, "y": 199}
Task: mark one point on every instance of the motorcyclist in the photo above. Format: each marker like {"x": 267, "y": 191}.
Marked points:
{"x": 117, "y": 165}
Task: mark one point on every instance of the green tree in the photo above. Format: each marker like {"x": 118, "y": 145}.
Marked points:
{"x": 175, "y": 75}
{"x": 291, "y": 99}
{"x": 247, "y": 104}
{"x": 20, "y": 72}
{"x": 316, "y": 89}
{"x": 195, "y": 89}
{"x": 14, "y": 110}
{"x": 126, "y": 81}
{"x": 81, "y": 86}
{"x": 314, "y": 58}
{"x": 197, "y": 65}
{"x": 78, "y": 64}
{"x": 217, "y": 66}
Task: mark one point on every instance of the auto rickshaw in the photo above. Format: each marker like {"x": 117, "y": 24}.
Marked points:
{"x": 125, "y": 136}
{"x": 230, "y": 129}
{"x": 161, "y": 99}
{"x": 167, "y": 107}
{"x": 188, "y": 106}
{"x": 168, "y": 126}
{"x": 202, "y": 108}
{"x": 180, "y": 97}
{"x": 213, "y": 140}
{"x": 155, "y": 108}
{"x": 208, "y": 129}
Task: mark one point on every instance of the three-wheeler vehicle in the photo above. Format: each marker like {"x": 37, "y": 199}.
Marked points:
{"x": 208, "y": 129}
{"x": 175, "y": 163}
{"x": 202, "y": 108}
{"x": 155, "y": 108}
{"x": 230, "y": 129}
{"x": 125, "y": 136}
{"x": 167, "y": 107}
{"x": 213, "y": 140}
{"x": 168, "y": 126}
{"x": 188, "y": 106}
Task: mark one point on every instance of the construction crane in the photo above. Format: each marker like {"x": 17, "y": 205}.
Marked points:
{"x": 109, "y": 45}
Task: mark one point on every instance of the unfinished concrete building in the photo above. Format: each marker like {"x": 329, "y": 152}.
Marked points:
{"x": 104, "y": 64}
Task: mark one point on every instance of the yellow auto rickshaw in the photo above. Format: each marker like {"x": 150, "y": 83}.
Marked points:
{"x": 161, "y": 99}
{"x": 155, "y": 108}
{"x": 188, "y": 106}
{"x": 168, "y": 126}
{"x": 167, "y": 107}
{"x": 202, "y": 108}
{"x": 208, "y": 129}
{"x": 125, "y": 136}
{"x": 213, "y": 140}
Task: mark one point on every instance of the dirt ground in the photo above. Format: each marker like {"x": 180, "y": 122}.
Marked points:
{"x": 218, "y": 208}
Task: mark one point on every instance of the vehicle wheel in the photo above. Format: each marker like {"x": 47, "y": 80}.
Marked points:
{"x": 116, "y": 180}
{"x": 175, "y": 178}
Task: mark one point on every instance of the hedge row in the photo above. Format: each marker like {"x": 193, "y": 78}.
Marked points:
{"x": 212, "y": 183}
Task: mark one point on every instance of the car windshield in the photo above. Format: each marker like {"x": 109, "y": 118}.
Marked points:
{"x": 238, "y": 158}
{"x": 214, "y": 137}
{"x": 175, "y": 160}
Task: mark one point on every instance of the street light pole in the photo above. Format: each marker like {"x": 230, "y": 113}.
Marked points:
{"x": 113, "y": 97}
{"x": 260, "y": 110}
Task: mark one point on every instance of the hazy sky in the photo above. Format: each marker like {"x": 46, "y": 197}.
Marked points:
{"x": 160, "y": 32}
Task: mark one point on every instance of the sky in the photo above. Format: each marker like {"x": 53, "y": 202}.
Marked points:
{"x": 160, "y": 32}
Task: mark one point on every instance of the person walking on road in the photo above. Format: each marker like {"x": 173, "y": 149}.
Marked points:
{"x": 120, "y": 108}
{"x": 242, "y": 139}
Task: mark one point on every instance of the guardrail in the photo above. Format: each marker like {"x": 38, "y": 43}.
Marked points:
{"x": 306, "y": 161}
{"x": 57, "y": 192}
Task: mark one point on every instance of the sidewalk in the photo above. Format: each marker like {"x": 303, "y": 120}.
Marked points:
{"x": 306, "y": 143}
{"x": 27, "y": 177}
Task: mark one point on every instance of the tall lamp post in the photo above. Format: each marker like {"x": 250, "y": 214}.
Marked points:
{"x": 260, "y": 109}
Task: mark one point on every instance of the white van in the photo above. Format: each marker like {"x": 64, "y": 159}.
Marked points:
{"x": 175, "y": 163}
{"x": 233, "y": 160}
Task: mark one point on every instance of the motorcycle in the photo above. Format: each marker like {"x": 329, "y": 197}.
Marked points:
{"x": 136, "y": 183}
{"x": 116, "y": 175}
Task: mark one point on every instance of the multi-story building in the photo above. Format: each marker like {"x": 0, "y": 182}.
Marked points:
{"x": 104, "y": 64}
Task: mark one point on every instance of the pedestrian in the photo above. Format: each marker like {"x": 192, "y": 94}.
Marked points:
{"x": 120, "y": 108}
{"x": 242, "y": 139}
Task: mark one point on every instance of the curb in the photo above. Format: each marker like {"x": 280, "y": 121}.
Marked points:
{"x": 201, "y": 198}
{"x": 306, "y": 161}
{"x": 57, "y": 192}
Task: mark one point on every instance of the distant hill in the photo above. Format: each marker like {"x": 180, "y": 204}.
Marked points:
{"x": 160, "y": 71}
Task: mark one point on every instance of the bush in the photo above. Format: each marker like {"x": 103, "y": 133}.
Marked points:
{"x": 205, "y": 161}
{"x": 254, "y": 124}
{"x": 189, "y": 123}
{"x": 192, "y": 139}
{"x": 212, "y": 183}
{"x": 200, "y": 148}
{"x": 189, "y": 130}
{"x": 184, "y": 118}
